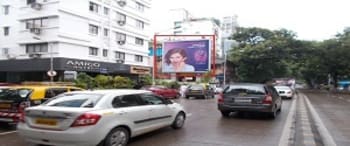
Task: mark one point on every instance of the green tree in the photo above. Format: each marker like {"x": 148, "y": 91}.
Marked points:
{"x": 261, "y": 54}
{"x": 122, "y": 82}
{"x": 85, "y": 81}
{"x": 104, "y": 82}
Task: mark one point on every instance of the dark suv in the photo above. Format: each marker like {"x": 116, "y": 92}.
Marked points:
{"x": 249, "y": 97}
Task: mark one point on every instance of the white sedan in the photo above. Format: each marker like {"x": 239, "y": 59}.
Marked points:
{"x": 284, "y": 91}
{"x": 101, "y": 117}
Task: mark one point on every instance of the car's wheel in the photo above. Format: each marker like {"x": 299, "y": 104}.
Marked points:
{"x": 179, "y": 121}
{"x": 177, "y": 96}
{"x": 187, "y": 97}
{"x": 225, "y": 113}
{"x": 273, "y": 114}
{"x": 117, "y": 137}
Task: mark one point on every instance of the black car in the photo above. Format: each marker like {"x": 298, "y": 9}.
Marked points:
{"x": 249, "y": 97}
{"x": 199, "y": 91}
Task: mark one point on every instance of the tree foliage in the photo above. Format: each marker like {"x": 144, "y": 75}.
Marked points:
{"x": 263, "y": 54}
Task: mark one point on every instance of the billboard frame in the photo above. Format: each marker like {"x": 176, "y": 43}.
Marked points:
{"x": 212, "y": 37}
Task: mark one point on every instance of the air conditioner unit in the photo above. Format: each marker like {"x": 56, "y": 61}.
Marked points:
{"x": 34, "y": 55}
{"x": 8, "y": 56}
{"x": 35, "y": 30}
{"x": 118, "y": 60}
{"x": 121, "y": 22}
{"x": 121, "y": 42}
{"x": 36, "y": 6}
{"x": 121, "y": 3}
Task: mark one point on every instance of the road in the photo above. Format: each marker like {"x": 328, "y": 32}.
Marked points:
{"x": 334, "y": 110}
{"x": 204, "y": 127}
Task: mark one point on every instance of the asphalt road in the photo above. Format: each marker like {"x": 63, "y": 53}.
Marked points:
{"x": 334, "y": 111}
{"x": 204, "y": 127}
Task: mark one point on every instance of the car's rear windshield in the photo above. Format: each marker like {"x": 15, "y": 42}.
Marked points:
{"x": 196, "y": 87}
{"x": 282, "y": 87}
{"x": 14, "y": 94}
{"x": 244, "y": 89}
{"x": 81, "y": 100}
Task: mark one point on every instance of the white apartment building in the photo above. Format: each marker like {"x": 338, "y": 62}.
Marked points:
{"x": 200, "y": 26}
{"x": 229, "y": 26}
{"x": 92, "y": 36}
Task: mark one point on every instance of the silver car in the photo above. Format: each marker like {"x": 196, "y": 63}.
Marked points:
{"x": 102, "y": 117}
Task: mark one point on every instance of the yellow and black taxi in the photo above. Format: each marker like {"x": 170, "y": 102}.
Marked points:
{"x": 14, "y": 99}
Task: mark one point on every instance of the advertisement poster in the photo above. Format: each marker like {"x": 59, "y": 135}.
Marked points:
{"x": 190, "y": 56}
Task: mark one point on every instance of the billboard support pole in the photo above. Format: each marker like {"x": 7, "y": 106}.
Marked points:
{"x": 154, "y": 59}
{"x": 214, "y": 58}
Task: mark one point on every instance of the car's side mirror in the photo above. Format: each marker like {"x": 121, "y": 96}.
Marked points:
{"x": 168, "y": 101}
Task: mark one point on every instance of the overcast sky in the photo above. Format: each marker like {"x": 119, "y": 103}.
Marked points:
{"x": 310, "y": 19}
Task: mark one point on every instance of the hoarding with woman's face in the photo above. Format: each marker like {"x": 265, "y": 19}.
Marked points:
{"x": 186, "y": 56}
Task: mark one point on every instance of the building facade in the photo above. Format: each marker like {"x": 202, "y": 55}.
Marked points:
{"x": 92, "y": 36}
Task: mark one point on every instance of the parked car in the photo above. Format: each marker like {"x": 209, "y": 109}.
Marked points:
{"x": 14, "y": 99}
{"x": 163, "y": 91}
{"x": 200, "y": 91}
{"x": 249, "y": 97}
{"x": 100, "y": 117}
{"x": 285, "y": 91}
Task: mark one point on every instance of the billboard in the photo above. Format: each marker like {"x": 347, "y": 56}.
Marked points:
{"x": 190, "y": 56}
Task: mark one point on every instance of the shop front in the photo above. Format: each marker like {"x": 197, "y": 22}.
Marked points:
{"x": 36, "y": 69}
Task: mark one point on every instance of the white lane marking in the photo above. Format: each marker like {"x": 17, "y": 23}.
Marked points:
{"x": 5, "y": 133}
{"x": 286, "y": 133}
{"x": 327, "y": 139}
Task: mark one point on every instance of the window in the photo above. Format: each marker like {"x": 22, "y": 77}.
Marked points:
{"x": 5, "y": 51}
{"x": 93, "y": 7}
{"x": 138, "y": 41}
{"x": 140, "y": 24}
{"x": 151, "y": 99}
{"x": 30, "y": 2}
{"x": 121, "y": 17}
{"x": 120, "y": 36}
{"x": 105, "y": 32}
{"x": 138, "y": 58}
{"x": 106, "y": 11}
{"x": 105, "y": 52}
{"x": 127, "y": 101}
{"x": 140, "y": 7}
{"x": 93, "y": 29}
{"x": 6, "y": 10}
{"x": 84, "y": 100}
{"x": 37, "y": 23}
{"x": 36, "y": 48}
{"x": 93, "y": 51}
{"x": 6, "y": 31}
{"x": 120, "y": 55}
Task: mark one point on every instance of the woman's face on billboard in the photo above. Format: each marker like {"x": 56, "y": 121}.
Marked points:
{"x": 176, "y": 58}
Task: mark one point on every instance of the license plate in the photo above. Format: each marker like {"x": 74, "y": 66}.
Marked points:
{"x": 3, "y": 105}
{"x": 43, "y": 121}
{"x": 243, "y": 100}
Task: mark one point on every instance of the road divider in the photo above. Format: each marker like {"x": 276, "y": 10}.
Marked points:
{"x": 326, "y": 137}
{"x": 288, "y": 130}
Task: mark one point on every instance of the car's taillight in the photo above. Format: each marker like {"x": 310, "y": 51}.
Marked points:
{"x": 221, "y": 98}
{"x": 86, "y": 120}
{"x": 21, "y": 117}
{"x": 267, "y": 99}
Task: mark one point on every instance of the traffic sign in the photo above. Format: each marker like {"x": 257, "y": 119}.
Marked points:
{"x": 51, "y": 73}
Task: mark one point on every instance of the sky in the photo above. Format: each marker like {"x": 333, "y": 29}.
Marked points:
{"x": 310, "y": 19}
